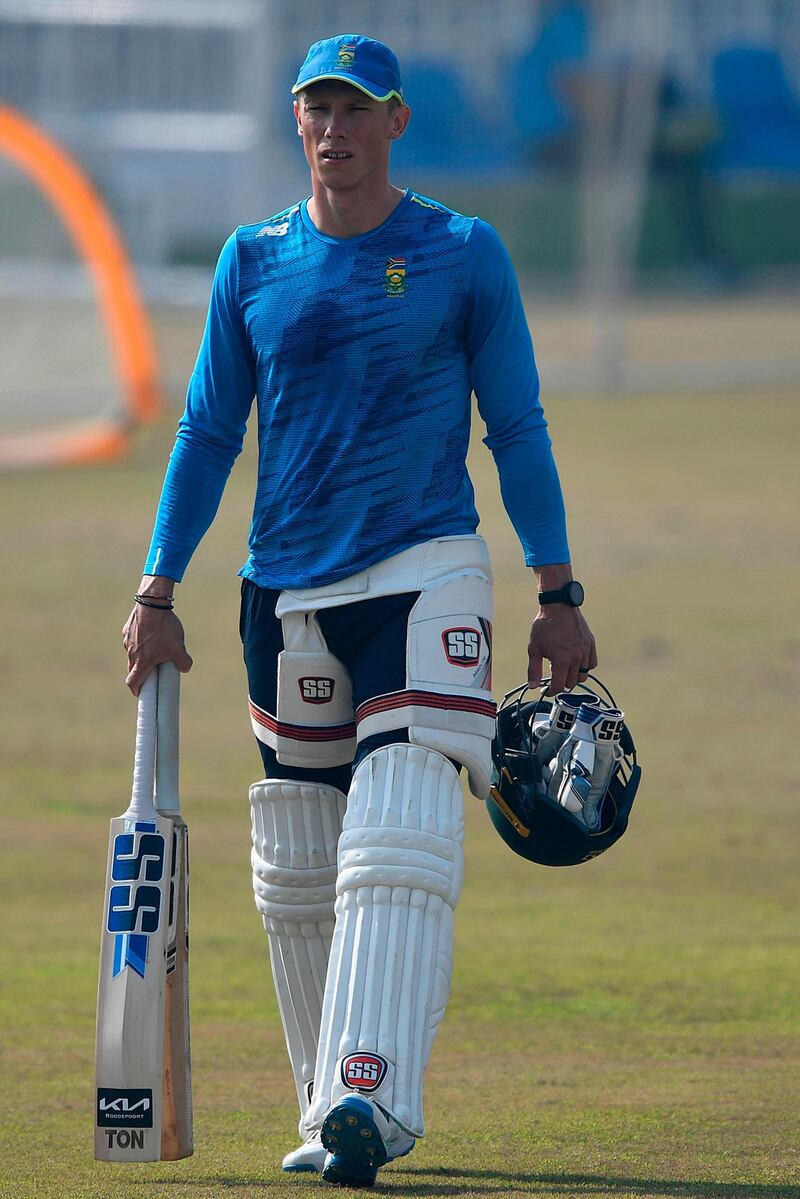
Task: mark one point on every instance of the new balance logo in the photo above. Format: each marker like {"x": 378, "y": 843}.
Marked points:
{"x": 274, "y": 230}
{"x": 315, "y": 690}
{"x": 462, "y": 647}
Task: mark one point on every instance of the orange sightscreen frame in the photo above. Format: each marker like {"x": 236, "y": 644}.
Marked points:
{"x": 125, "y": 320}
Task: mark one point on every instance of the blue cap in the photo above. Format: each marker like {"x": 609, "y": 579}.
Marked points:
{"x": 368, "y": 65}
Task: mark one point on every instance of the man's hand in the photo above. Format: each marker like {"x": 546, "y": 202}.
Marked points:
{"x": 560, "y": 634}
{"x": 153, "y": 635}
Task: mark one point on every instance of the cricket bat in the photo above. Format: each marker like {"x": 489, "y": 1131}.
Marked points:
{"x": 143, "y": 1106}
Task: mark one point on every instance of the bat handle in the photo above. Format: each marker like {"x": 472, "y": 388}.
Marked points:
{"x": 168, "y": 738}
{"x": 145, "y": 753}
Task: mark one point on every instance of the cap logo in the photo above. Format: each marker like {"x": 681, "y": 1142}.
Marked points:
{"x": 395, "y": 276}
{"x": 346, "y": 56}
{"x": 364, "y": 1071}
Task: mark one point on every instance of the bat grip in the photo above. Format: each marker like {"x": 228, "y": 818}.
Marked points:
{"x": 168, "y": 739}
{"x": 145, "y": 752}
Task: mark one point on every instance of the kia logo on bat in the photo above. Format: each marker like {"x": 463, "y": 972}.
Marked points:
{"x": 128, "y": 1107}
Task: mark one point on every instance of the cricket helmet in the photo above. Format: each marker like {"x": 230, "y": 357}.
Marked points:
{"x": 529, "y": 820}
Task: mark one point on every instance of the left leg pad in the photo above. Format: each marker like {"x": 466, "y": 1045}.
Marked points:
{"x": 400, "y": 871}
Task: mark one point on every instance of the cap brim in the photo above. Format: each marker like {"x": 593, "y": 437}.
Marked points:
{"x": 368, "y": 89}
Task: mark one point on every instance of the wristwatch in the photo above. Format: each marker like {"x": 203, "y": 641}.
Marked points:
{"x": 571, "y": 593}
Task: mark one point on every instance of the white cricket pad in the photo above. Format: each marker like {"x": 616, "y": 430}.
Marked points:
{"x": 446, "y": 703}
{"x": 296, "y": 829}
{"x": 313, "y": 724}
{"x": 400, "y": 873}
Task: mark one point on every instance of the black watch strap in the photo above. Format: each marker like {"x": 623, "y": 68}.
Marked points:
{"x": 571, "y": 593}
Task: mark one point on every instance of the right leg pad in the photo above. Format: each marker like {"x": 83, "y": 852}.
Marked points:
{"x": 296, "y": 828}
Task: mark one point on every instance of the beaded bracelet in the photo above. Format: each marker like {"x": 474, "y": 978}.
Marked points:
{"x": 164, "y": 602}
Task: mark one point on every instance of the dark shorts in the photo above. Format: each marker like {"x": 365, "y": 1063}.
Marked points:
{"x": 369, "y": 639}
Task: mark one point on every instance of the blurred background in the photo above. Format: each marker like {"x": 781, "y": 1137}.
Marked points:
{"x": 641, "y": 158}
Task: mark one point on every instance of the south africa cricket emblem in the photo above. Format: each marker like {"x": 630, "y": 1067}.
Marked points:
{"x": 395, "y": 276}
{"x": 346, "y": 56}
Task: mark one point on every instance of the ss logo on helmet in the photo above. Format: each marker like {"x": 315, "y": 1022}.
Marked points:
{"x": 462, "y": 646}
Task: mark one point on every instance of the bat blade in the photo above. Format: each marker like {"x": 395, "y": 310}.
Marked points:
{"x": 131, "y": 991}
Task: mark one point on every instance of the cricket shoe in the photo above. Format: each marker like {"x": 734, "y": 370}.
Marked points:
{"x": 360, "y": 1138}
{"x": 309, "y": 1158}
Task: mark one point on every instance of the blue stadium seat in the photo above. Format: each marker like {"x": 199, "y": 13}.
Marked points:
{"x": 538, "y": 108}
{"x": 447, "y": 132}
{"x": 758, "y": 111}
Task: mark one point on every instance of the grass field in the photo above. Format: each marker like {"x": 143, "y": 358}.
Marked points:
{"x": 628, "y": 1028}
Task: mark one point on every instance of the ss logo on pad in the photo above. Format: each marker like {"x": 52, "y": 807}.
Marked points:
{"x": 462, "y": 647}
{"x": 316, "y": 690}
{"x": 364, "y": 1071}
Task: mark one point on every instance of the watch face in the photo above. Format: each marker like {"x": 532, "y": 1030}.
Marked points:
{"x": 574, "y": 593}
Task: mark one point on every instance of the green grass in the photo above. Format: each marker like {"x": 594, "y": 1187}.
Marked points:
{"x": 629, "y": 1028}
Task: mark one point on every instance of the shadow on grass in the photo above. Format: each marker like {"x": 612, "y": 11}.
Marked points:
{"x": 444, "y": 1181}
{"x": 420, "y": 1182}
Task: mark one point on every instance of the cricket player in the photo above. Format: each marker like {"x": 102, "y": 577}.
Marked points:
{"x": 362, "y": 319}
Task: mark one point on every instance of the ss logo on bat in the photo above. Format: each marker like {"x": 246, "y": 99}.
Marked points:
{"x": 138, "y": 860}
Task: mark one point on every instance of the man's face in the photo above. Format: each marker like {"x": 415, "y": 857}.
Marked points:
{"x": 347, "y": 135}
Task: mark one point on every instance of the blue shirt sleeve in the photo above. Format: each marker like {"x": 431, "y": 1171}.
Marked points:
{"x": 506, "y": 383}
{"x": 211, "y": 430}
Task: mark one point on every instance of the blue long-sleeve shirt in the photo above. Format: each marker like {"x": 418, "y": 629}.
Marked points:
{"x": 362, "y": 354}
